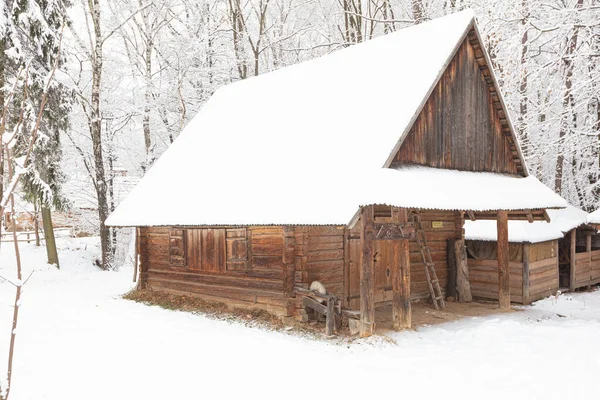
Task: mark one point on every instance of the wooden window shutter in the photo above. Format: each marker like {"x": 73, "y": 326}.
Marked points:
{"x": 177, "y": 248}
{"x": 237, "y": 249}
{"x": 206, "y": 249}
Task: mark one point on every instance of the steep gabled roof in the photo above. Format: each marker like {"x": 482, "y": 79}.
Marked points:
{"x": 306, "y": 144}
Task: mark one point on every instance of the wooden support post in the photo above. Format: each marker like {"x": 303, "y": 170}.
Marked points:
{"x": 330, "y": 316}
{"x": 525, "y": 259}
{"x": 451, "y": 261}
{"x": 573, "y": 266}
{"x": 588, "y": 249}
{"x": 367, "y": 274}
{"x": 503, "y": 269}
{"x": 463, "y": 284}
{"x": 401, "y": 308}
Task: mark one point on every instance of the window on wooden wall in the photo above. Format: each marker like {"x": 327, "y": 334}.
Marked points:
{"x": 205, "y": 249}
{"x": 237, "y": 249}
{"x": 211, "y": 250}
{"x": 177, "y": 247}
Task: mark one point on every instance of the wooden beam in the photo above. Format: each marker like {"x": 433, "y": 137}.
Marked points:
{"x": 401, "y": 307}
{"x": 503, "y": 260}
{"x": 529, "y": 216}
{"x": 367, "y": 275}
{"x": 525, "y": 259}
{"x": 471, "y": 215}
{"x": 393, "y": 231}
{"x": 330, "y": 317}
{"x": 573, "y": 264}
{"x": 546, "y": 216}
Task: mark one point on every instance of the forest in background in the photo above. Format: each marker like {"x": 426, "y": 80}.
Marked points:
{"x": 132, "y": 73}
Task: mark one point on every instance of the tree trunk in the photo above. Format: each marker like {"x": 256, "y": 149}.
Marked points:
{"x": 49, "y": 237}
{"x": 569, "y": 116}
{"x": 2, "y": 82}
{"x": 36, "y": 222}
{"x": 148, "y": 98}
{"x": 418, "y": 11}
{"x": 96, "y": 134}
{"x": 523, "y": 84}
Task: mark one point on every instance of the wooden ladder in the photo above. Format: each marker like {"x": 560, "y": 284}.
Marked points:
{"x": 432, "y": 280}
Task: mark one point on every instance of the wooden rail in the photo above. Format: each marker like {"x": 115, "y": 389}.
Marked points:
{"x": 6, "y": 237}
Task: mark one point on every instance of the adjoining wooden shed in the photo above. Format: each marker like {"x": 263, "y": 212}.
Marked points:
{"x": 579, "y": 250}
{"x": 533, "y": 259}
{"x": 353, "y": 170}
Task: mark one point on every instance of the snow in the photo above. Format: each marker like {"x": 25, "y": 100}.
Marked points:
{"x": 307, "y": 144}
{"x": 561, "y": 221}
{"x": 518, "y": 231}
{"x": 594, "y": 217}
{"x": 77, "y": 339}
{"x": 567, "y": 218}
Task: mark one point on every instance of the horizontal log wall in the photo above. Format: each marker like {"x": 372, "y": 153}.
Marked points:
{"x": 319, "y": 254}
{"x": 483, "y": 275}
{"x": 595, "y": 267}
{"x": 543, "y": 278}
{"x": 265, "y": 283}
{"x": 543, "y": 274}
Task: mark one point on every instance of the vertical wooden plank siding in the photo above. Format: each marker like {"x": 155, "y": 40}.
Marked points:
{"x": 460, "y": 126}
{"x": 401, "y": 308}
{"x": 503, "y": 260}
{"x": 367, "y": 275}
{"x": 526, "y": 253}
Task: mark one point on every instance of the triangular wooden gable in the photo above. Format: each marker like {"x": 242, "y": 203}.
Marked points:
{"x": 463, "y": 123}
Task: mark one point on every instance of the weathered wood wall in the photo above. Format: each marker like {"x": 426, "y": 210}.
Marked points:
{"x": 460, "y": 126}
{"x": 439, "y": 227}
{"x": 587, "y": 259}
{"x": 319, "y": 255}
{"x": 542, "y": 278}
{"x": 250, "y": 267}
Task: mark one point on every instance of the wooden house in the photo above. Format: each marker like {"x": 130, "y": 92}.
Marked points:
{"x": 533, "y": 259}
{"x": 354, "y": 170}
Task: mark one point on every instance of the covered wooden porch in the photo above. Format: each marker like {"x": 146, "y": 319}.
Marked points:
{"x": 398, "y": 232}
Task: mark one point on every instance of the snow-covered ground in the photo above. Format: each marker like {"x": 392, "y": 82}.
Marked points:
{"x": 78, "y": 339}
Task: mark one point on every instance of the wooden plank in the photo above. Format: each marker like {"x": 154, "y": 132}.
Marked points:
{"x": 526, "y": 249}
{"x": 573, "y": 267}
{"x": 451, "y": 289}
{"x": 401, "y": 307}
{"x": 367, "y": 275}
{"x": 503, "y": 260}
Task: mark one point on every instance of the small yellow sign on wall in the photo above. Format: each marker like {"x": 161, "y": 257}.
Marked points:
{"x": 437, "y": 224}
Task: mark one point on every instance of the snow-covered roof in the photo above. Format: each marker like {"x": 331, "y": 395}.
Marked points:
{"x": 518, "y": 231}
{"x": 568, "y": 218}
{"x": 561, "y": 222}
{"x": 306, "y": 144}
